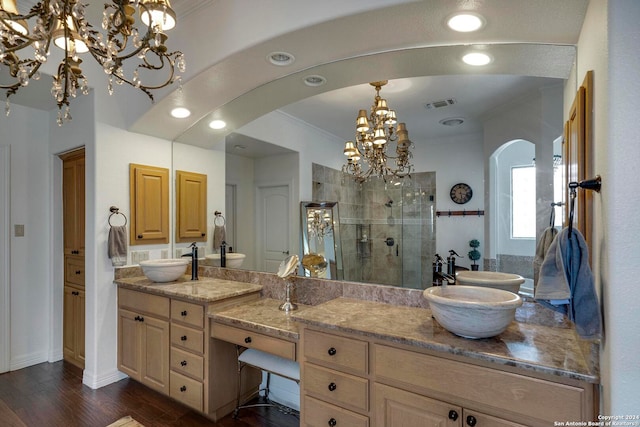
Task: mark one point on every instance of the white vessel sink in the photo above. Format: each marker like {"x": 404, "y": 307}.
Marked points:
{"x": 472, "y": 311}
{"x": 164, "y": 270}
{"x": 234, "y": 259}
{"x": 491, "y": 279}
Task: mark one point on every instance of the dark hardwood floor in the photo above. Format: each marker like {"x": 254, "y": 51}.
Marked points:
{"x": 52, "y": 395}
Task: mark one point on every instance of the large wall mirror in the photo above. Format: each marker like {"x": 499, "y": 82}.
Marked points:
{"x": 280, "y": 138}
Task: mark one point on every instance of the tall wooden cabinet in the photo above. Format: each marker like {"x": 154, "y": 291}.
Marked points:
{"x": 73, "y": 206}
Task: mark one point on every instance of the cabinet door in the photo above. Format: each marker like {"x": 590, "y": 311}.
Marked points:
{"x": 80, "y": 301}
{"x": 73, "y": 200}
{"x": 154, "y": 369}
{"x": 149, "y": 193}
{"x": 129, "y": 344}
{"x": 399, "y": 408}
{"x": 191, "y": 206}
{"x": 69, "y": 321}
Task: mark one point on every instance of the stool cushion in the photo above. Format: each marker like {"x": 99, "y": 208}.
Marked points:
{"x": 271, "y": 363}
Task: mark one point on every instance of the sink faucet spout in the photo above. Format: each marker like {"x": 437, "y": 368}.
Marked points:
{"x": 194, "y": 260}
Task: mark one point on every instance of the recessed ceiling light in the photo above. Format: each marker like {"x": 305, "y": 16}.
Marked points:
{"x": 281, "y": 58}
{"x": 453, "y": 121}
{"x": 476, "y": 59}
{"x": 217, "y": 124}
{"x": 314, "y": 80}
{"x": 465, "y": 22}
{"x": 180, "y": 113}
{"x": 240, "y": 147}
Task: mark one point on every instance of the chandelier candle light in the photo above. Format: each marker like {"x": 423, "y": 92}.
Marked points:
{"x": 64, "y": 23}
{"x": 373, "y": 135}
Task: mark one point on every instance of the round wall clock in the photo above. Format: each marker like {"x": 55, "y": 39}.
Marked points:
{"x": 461, "y": 193}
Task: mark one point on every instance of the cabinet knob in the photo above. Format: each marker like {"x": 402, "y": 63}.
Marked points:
{"x": 471, "y": 420}
{"x": 247, "y": 340}
{"x": 183, "y": 338}
{"x": 183, "y": 313}
{"x": 203, "y": 234}
{"x": 141, "y": 319}
{"x": 140, "y": 236}
{"x": 332, "y": 351}
{"x": 332, "y": 422}
{"x": 183, "y": 388}
{"x": 453, "y": 415}
{"x": 332, "y": 387}
{"x": 78, "y": 271}
{"x": 183, "y": 363}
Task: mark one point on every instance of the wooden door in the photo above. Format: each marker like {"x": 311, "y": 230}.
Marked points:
{"x": 154, "y": 356}
{"x": 149, "y": 193}
{"x": 399, "y": 408}
{"x": 273, "y": 220}
{"x": 191, "y": 206}
{"x": 73, "y": 201}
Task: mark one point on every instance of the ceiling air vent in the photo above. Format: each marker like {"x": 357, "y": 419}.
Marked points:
{"x": 440, "y": 104}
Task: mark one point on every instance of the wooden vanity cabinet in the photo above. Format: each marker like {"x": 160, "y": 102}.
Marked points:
{"x": 149, "y": 204}
{"x": 370, "y": 382}
{"x": 163, "y": 342}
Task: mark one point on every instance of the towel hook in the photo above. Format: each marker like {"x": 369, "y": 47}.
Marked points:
{"x": 594, "y": 184}
{"x": 115, "y": 211}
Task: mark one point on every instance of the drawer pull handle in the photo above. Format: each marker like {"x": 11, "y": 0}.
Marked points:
{"x": 332, "y": 351}
{"x": 332, "y": 422}
{"x": 183, "y": 338}
{"x": 453, "y": 415}
{"x": 471, "y": 420}
{"x": 332, "y": 387}
{"x": 78, "y": 271}
{"x": 183, "y": 363}
{"x": 183, "y": 388}
{"x": 247, "y": 340}
{"x": 183, "y": 313}
{"x": 139, "y": 318}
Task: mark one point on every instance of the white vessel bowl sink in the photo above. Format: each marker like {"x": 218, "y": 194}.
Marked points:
{"x": 164, "y": 270}
{"x": 234, "y": 259}
{"x": 491, "y": 279}
{"x": 472, "y": 311}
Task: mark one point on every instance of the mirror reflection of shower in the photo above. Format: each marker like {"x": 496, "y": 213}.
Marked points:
{"x": 322, "y": 255}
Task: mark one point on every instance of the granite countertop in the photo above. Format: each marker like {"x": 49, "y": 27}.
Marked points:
{"x": 262, "y": 316}
{"x": 533, "y": 346}
{"x": 207, "y": 289}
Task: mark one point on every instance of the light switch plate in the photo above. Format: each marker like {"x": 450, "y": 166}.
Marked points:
{"x": 18, "y": 230}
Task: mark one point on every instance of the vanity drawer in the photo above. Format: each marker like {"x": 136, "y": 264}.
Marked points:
{"x": 255, "y": 340}
{"x": 188, "y": 338}
{"x": 505, "y": 391}
{"x": 319, "y": 414}
{"x": 187, "y": 363}
{"x": 74, "y": 270}
{"x": 186, "y": 390}
{"x": 189, "y": 313}
{"x": 337, "y": 387}
{"x": 338, "y": 352}
{"x": 143, "y": 302}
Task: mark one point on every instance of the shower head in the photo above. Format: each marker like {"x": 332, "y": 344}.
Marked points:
{"x": 389, "y": 203}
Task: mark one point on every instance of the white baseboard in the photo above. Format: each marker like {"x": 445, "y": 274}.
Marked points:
{"x": 95, "y": 381}
{"x": 27, "y": 360}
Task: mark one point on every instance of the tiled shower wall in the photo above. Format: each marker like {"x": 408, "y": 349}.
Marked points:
{"x": 368, "y": 220}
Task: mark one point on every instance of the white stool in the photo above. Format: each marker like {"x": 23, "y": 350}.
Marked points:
{"x": 271, "y": 364}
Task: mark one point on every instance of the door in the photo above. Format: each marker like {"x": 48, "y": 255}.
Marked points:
{"x": 272, "y": 230}
{"x": 5, "y": 309}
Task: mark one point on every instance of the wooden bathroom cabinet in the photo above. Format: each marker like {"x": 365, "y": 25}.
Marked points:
{"x": 191, "y": 207}
{"x": 149, "y": 204}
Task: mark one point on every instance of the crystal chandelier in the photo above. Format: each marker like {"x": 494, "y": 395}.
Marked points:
{"x": 25, "y": 41}
{"x": 373, "y": 136}
{"x": 319, "y": 223}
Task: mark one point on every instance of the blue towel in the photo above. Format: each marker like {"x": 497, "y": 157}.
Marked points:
{"x": 566, "y": 283}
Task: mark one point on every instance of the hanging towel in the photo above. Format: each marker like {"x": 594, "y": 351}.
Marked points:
{"x": 566, "y": 283}
{"x": 541, "y": 250}
{"x": 219, "y": 234}
{"x": 118, "y": 245}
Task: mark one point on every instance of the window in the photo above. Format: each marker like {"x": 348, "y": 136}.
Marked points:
{"x": 523, "y": 202}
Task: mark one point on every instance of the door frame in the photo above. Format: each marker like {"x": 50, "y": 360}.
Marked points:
{"x": 5, "y": 257}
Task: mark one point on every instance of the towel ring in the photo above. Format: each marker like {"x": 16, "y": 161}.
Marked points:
{"x": 115, "y": 211}
{"x": 218, "y": 217}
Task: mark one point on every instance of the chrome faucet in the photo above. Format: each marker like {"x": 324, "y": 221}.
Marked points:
{"x": 194, "y": 260}
{"x": 223, "y": 254}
